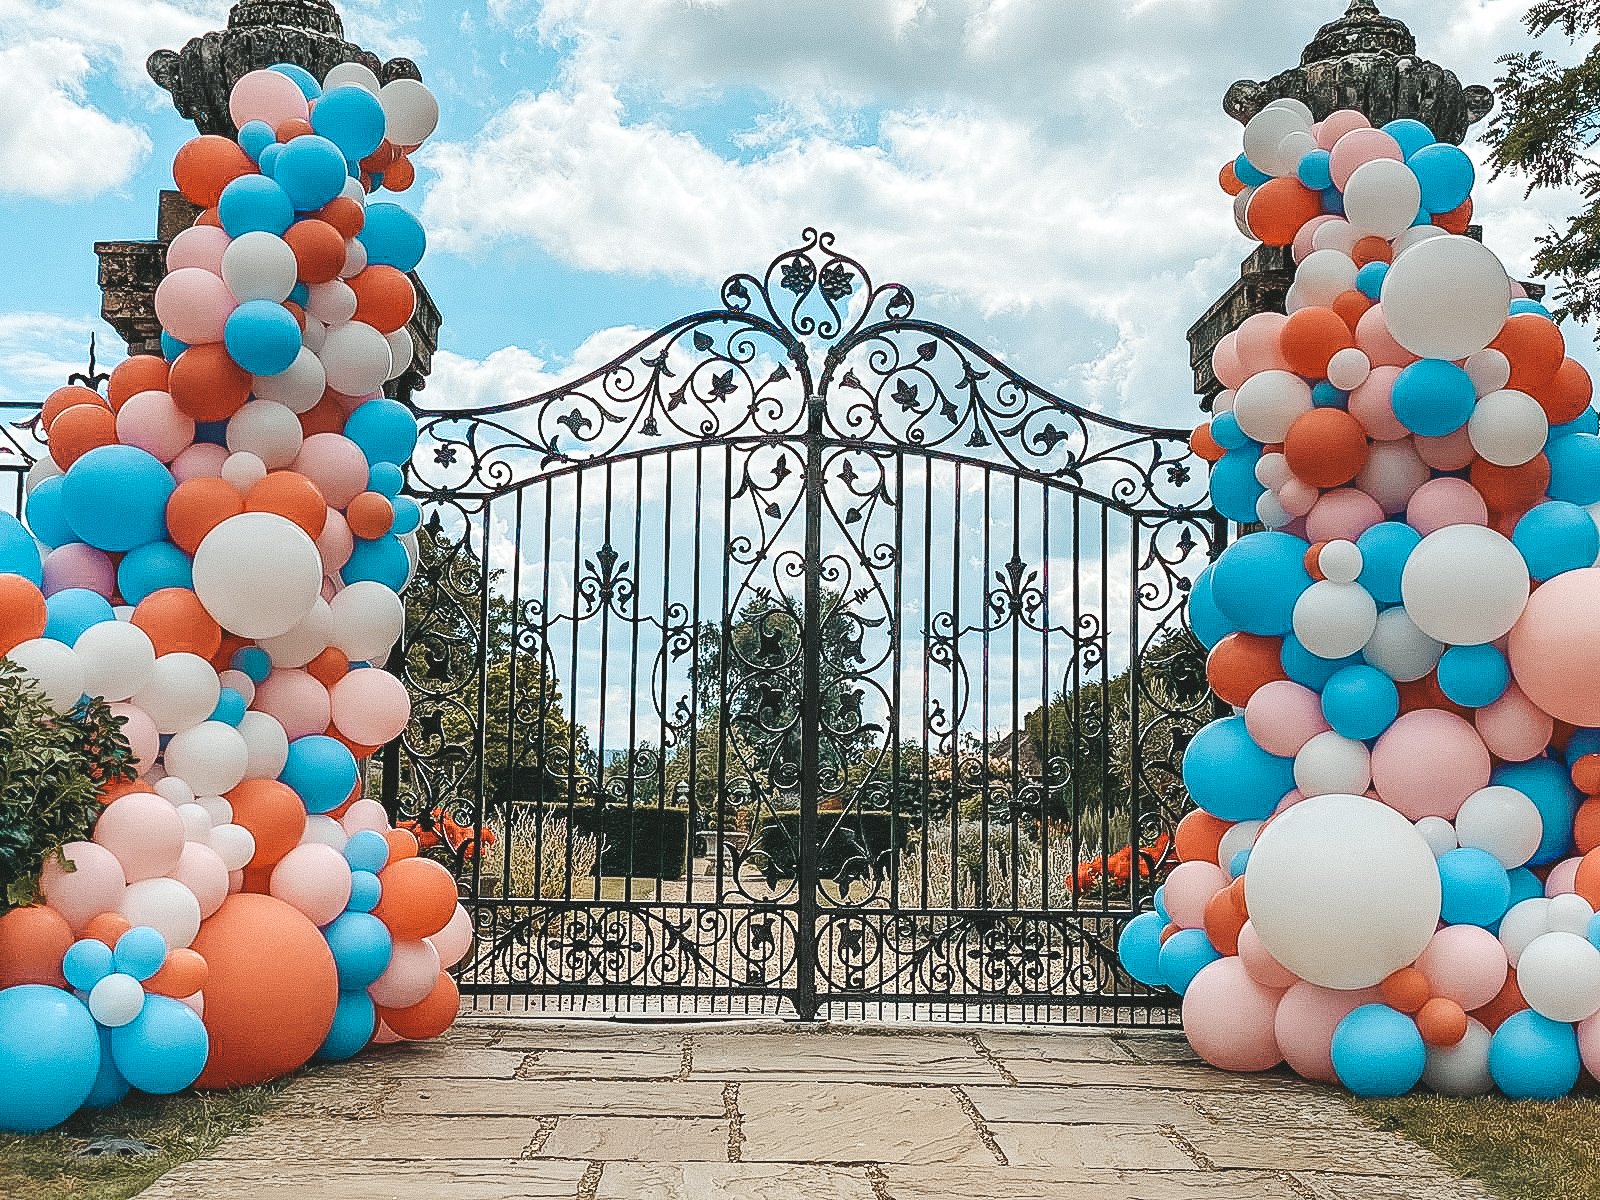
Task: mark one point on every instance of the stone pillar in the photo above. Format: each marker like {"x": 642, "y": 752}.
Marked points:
{"x": 200, "y": 78}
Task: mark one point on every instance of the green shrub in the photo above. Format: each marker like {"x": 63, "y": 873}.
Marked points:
{"x": 646, "y": 842}
{"x": 845, "y": 839}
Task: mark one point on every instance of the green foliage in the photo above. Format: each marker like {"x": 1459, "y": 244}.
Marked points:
{"x": 52, "y": 768}
{"x": 851, "y": 845}
{"x": 646, "y": 842}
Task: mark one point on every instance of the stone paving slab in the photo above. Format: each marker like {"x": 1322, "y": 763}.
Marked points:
{"x": 610, "y": 1063}
{"x": 856, "y": 1122}
{"x": 1085, "y": 1105}
{"x": 1122, "y": 1147}
{"x": 390, "y": 1139}
{"x": 1069, "y": 1047}
{"x": 556, "y": 1098}
{"x": 1002, "y": 1183}
{"x": 1368, "y": 1187}
{"x": 1270, "y": 1147}
{"x": 468, "y": 1180}
{"x": 823, "y": 1057}
{"x": 1131, "y": 1074}
{"x": 639, "y": 1139}
{"x": 732, "y": 1181}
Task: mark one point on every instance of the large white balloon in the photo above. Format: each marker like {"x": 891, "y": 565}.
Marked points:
{"x": 1268, "y": 403}
{"x": 1343, "y": 891}
{"x": 1508, "y": 428}
{"x": 258, "y": 574}
{"x": 1382, "y": 198}
{"x": 267, "y": 429}
{"x": 1503, "y": 822}
{"x": 1559, "y": 975}
{"x": 367, "y": 620}
{"x": 1264, "y": 136}
{"x": 412, "y": 111}
{"x": 210, "y": 757}
{"x": 117, "y": 659}
{"x": 1446, "y": 297}
{"x": 183, "y": 691}
{"x": 1465, "y": 585}
{"x": 55, "y": 667}
{"x": 1335, "y": 620}
{"x": 259, "y": 266}
{"x": 357, "y": 359}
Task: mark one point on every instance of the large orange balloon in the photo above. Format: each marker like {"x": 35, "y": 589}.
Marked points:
{"x": 1242, "y": 662}
{"x": 271, "y": 991}
{"x": 32, "y": 943}
{"x": 1279, "y": 208}
{"x": 290, "y": 494}
{"x": 80, "y": 429}
{"x": 1587, "y": 882}
{"x": 1567, "y": 394}
{"x": 1326, "y": 447}
{"x": 206, "y": 165}
{"x": 1200, "y": 836}
{"x": 22, "y": 612}
{"x": 1535, "y": 348}
{"x": 1511, "y": 489}
{"x": 385, "y": 298}
{"x": 1555, "y": 647}
{"x": 178, "y": 623}
{"x": 319, "y": 250}
{"x": 430, "y": 1017}
{"x": 345, "y": 215}
{"x": 141, "y": 373}
{"x": 419, "y": 898}
{"x": 199, "y": 505}
{"x": 1407, "y": 990}
{"x": 63, "y": 398}
{"x": 1311, "y": 337}
{"x": 207, "y": 384}
{"x": 273, "y": 814}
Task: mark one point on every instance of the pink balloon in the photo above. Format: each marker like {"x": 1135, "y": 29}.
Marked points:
{"x": 141, "y": 733}
{"x": 1336, "y": 125}
{"x": 413, "y": 971}
{"x": 235, "y": 882}
{"x": 267, "y": 96}
{"x": 1555, "y": 647}
{"x": 1225, "y": 362}
{"x": 1373, "y": 405}
{"x": 1303, "y": 245}
{"x": 1306, "y": 1018}
{"x": 1260, "y": 343}
{"x": 1428, "y": 762}
{"x": 336, "y": 465}
{"x": 199, "y": 246}
{"x": 1289, "y": 800}
{"x": 1356, "y": 149}
{"x": 1513, "y": 727}
{"x": 1443, "y": 502}
{"x": 78, "y": 565}
{"x": 194, "y": 305}
{"x": 386, "y": 1036}
{"x": 144, "y": 832}
{"x": 95, "y": 885}
{"x": 202, "y": 460}
{"x": 1452, "y": 452}
{"x": 1466, "y": 964}
{"x": 454, "y": 940}
{"x": 315, "y": 879}
{"x": 1283, "y": 716}
{"x": 204, "y": 874}
{"x": 1375, "y": 341}
{"x": 1298, "y": 498}
{"x": 365, "y": 814}
{"x": 1188, "y": 888}
{"x": 1589, "y": 1044}
{"x": 1228, "y": 1018}
{"x": 370, "y": 707}
{"x": 335, "y": 543}
{"x": 1344, "y": 515}
{"x": 1392, "y": 475}
{"x": 298, "y": 701}
{"x": 1263, "y": 968}
{"x": 152, "y": 422}
{"x": 1563, "y": 878}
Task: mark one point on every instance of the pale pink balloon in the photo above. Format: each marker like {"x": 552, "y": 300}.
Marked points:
{"x": 203, "y": 460}
{"x": 1263, "y": 968}
{"x": 79, "y": 565}
{"x": 298, "y": 701}
{"x": 141, "y": 732}
{"x": 413, "y": 971}
{"x": 315, "y": 879}
{"x": 1373, "y": 405}
{"x": 335, "y": 543}
{"x": 1289, "y": 800}
{"x": 336, "y": 465}
{"x": 454, "y": 940}
{"x": 1260, "y": 343}
{"x": 386, "y": 1036}
{"x": 1336, "y": 125}
{"x": 1589, "y": 1044}
{"x": 235, "y": 882}
{"x": 1466, "y": 964}
{"x": 94, "y": 885}
{"x": 267, "y": 96}
{"x": 144, "y": 832}
{"x": 1514, "y": 728}
{"x": 1190, "y": 886}
{"x": 1306, "y": 1018}
{"x": 365, "y": 815}
{"x": 199, "y": 246}
{"x": 204, "y": 874}
{"x": 1392, "y": 475}
{"x": 370, "y": 707}
{"x": 1296, "y": 528}
{"x": 1443, "y": 502}
{"x": 1563, "y": 878}
{"x": 1282, "y": 716}
{"x": 1344, "y": 515}
{"x": 153, "y": 423}
{"x": 1375, "y": 341}
{"x": 194, "y": 305}
{"x": 1298, "y": 498}
{"x": 1555, "y": 647}
{"x": 1228, "y": 1018}
{"x": 1452, "y": 452}
{"x": 1303, "y": 245}
{"x": 1428, "y": 762}
{"x": 1357, "y": 148}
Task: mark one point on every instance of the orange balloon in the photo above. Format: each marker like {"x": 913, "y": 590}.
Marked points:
{"x": 292, "y": 128}
{"x": 1224, "y": 917}
{"x": 1586, "y": 826}
{"x": 326, "y": 416}
{"x": 400, "y": 176}
{"x": 207, "y": 384}
{"x": 178, "y": 623}
{"x": 345, "y": 215}
{"x": 58, "y": 401}
{"x": 1279, "y": 208}
{"x": 22, "y": 612}
{"x": 430, "y": 1017}
{"x": 1204, "y": 444}
{"x": 1511, "y": 489}
{"x": 183, "y": 974}
{"x": 419, "y": 898}
{"x": 273, "y": 814}
{"x": 370, "y": 515}
{"x": 117, "y": 788}
{"x": 1568, "y": 393}
{"x": 209, "y": 217}
{"x": 402, "y": 844}
{"x": 141, "y": 373}
{"x": 1229, "y": 179}
{"x": 271, "y": 991}
{"x": 1351, "y": 307}
{"x": 32, "y": 943}
{"x": 108, "y": 927}
{"x": 1311, "y": 337}
{"x": 1586, "y": 774}
{"x": 319, "y": 250}
{"x": 385, "y": 298}
{"x": 380, "y": 158}
{"x": 1326, "y": 447}
{"x": 290, "y": 494}
{"x": 1441, "y": 1022}
{"x": 1407, "y": 990}
{"x": 358, "y": 749}
{"x": 1242, "y": 662}
{"x": 329, "y": 667}
{"x": 1587, "y": 883}
{"x": 1509, "y": 1000}
{"x": 206, "y": 165}
{"x": 1457, "y": 220}
{"x": 1313, "y": 561}
{"x": 231, "y": 644}
{"x": 80, "y": 429}
{"x": 1371, "y": 250}
{"x": 199, "y": 505}
{"x": 1535, "y": 348}
{"x": 1199, "y": 836}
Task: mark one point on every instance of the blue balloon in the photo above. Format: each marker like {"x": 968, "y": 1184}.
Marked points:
{"x": 109, "y": 1086}
{"x": 1534, "y": 1058}
{"x": 1234, "y": 486}
{"x": 407, "y": 516}
{"x": 352, "y": 119}
{"x": 171, "y": 347}
{"x": 354, "y": 1021}
{"x": 1474, "y": 676}
{"x": 1378, "y": 1052}
{"x": 1446, "y": 175}
{"x": 1226, "y": 433}
{"x": 366, "y": 891}
{"x": 140, "y": 952}
{"x": 1525, "y": 885}
{"x": 256, "y": 136}
{"x": 321, "y": 770}
{"x": 262, "y": 337}
{"x": 86, "y": 963}
{"x": 1549, "y": 786}
{"x": 1315, "y": 170}
{"x": 72, "y": 610}
{"x": 1520, "y": 307}
{"x": 384, "y": 429}
{"x": 230, "y": 707}
{"x": 1588, "y": 421}
{"x": 1239, "y": 863}
{"x": 1477, "y": 890}
{"x": 386, "y": 479}
{"x": 1385, "y": 547}
{"x": 1369, "y": 280}
{"x": 1434, "y": 397}
{"x": 1205, "y": 618}
{"x": 1160, "y": 900}
{"x": 393, "y": 237}
{"x": 361, "y": 948}
{"x": 1258, "y": 579}
{"x": 253, "y": 203}
{"x": 304, "y": 80}
{"x": 269, "y": 159}
{"x": 19, "y": 554}
{"x": 367, "y": 851}
{"x": 1593, "y": 932}
{"x": 1557, "y": 536}
{"x": 49, "y": 1057}
{"x": 381, "y": 561}
{"x": 1582, "y": 741}
{"x": 1249, "y": 174}
{"x": 1360, "y": 702}
{"x": 1183, "y": 956}
{"x": 1231, "y": 777}
{"x": 1139, "y": 948}
{"x": 1308, "y": 669}
{"x": 1575, "y": 468}
{"x": 311, "y": 170}
{"x": 254, "y": 662}
{"x": 46, "y": 517}
{"x": 115, "y": 498}
{"x": 163, "y": 1049}
{"x": 1325, "y": 395}
{"x": 1412, "y": 135}
{"x": 1333, "y": 202}
{"x": 151, "y": 568}
{"x": 214, "y": 433}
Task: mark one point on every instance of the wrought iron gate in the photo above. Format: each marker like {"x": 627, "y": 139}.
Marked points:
{"x": 804, "y": 660}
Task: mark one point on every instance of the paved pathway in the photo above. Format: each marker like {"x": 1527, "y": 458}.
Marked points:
{"x": 564, "y": 1111}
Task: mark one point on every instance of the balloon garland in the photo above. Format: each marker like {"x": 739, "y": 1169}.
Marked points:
{"x": 1393, "y": 872}
{"x": 217, "y": 548}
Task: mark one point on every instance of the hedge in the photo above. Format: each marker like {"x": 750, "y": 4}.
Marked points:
{"x": 644, "y": 842}
{"x": 843, "y": 838}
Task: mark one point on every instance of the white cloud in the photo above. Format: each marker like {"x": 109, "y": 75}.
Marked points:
{"x": 39, "y": 350}
{"x": 512, "y": 373}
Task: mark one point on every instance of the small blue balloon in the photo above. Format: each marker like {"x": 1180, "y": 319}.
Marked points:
{"x": 268, "y": 161}
{"x": 1325, "y": 395}
{"x": 1548, "y": 784}
{"x": 1555, "y": 537}
{"x": 171, "y": 347}
{"x": 407, "y": 516}
{"x": 1183, "y": 956}
{"x": 1412, "y": 135}
{"x": 1249, "y": 174}
{"x": 352, "y": 119}
{"x": 1525, "y": 885}
{"x": 151, "y": 568}
{"x": 1239, "y": 863}
{"x": 366, "y": 891}
{"x": 381, "y": 561}
{"x": 256, "y": 136}
{"x": 72, "y": 610}
{"x": 115, "y": 498}
{"x": 254, "y": 662}
{"x": 262, "y": 337}
{"x": 1588, "y": 421}
{"x": 254, "y": 203}
{"x": 86, "y": 963}
{"x": 367, "y": 851}
{"x": 1519, "y": 307}
{"x": 1259, "y": 579}
{"x": 1234, "y": 486}
{"x": 384, "y": 429}
{"x": 1369, "y": 280}
{"x": 1575, "y": 469}
{"x": 1139, "y": 948}
{"x": 19, "y": 555}
{"x": 1160, "y": 899}
{"x": 139, "y": 952}
{"x": 311, "y": 170}
{"x": 109, "y": 1086}
{"x": 1316, "y": 171}
{"x": 230, "y": 707}
{"x": 1474, "y": 676}
{"x": 361, "y": 947}
{"x": 46, "y": 517}
{"x": 304, "y": 80}
{"x": 386, "y": 479}
{"x": 393, "y": 237}
{"x": 1446, "y": 175}
{"x": 354, "y": 1021}
{"x": 1378, "y": 1052}
{"x": 1310, "y": 670}
{"x": 1534, "y": 1058}
{"x": 300, "y": 294}
{"x": 1226, "y": 433}
{"x": 1477, "y": 890}
{"x": 1433, "y": 397}
{"x": 163, "y": 1049}
{"x": 49, "y": 1057}
{"x": 1231, "y": 777}
{"x": 321, "y": 770}
{"x": 1385, "y": 547}
{"x": 1333, "y": 202}
{"x": 1360, "y": 702}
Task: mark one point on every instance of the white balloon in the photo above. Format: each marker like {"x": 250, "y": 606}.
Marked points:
{"x": 1272, "y": 470}
{"x": 258, "y": 574}
{"x": 1503, "y": 822}
{"x": 355, "y": 258}
{"x": 412, "y": 111}
{"x": 1489, "y": 371}
{"x": 1382, "y": 198}
{"x": 244, "y": 470}
{"x": 1241, "y": 211}
{"x": 1239, "y": 837}
{"x": 300, "y": 387}
{"x": 210, "y": 757}
{"x": 1439, "y": 834}
{"x": 1325, "y": 275}
{"x": 352, "y": 73}
{"x": 1465, "y": 585}
{"x": 402, "y": 351}
{"x": 44, "y": 468}
{"x": 1268, "y": 403}
{"x": 1399, "y": 649}
{"x": 196, "y": 823}
{"x": 1508, "y": 428}
{"x": 117, "y": 659}
{"x": 239, "y": 682}
{"x": 325, "y": 831}
{"x": 55, "y": 667}
{"x": 1569, "y": 913}
{"x": 333, "y": 303}
{"x": 259, "y": 266}
{"x": 1271, "y": 512}
{"x": 183, "y": 691}
{"x": 1343, "y": 891}
{"x": 166, "y": 906}
{"x": 1299, "y": 107}
{"x": 316, "y": 333}
{"x": 356, "y": 357}
{"x": 1416, "y": 235}
{"x": 1333, "y": 765}
{"x": 218, "y": 809}
{"x": 1559, "y": 976}
{"x": 1337, "y": 235}
{"x": 1341, "y": 561}
{"x": 305, "y": 641}
{"x": 1462, "y": 1069}
{"x": 266, "y": 743}
{"x": 268, "y": 430}
{"x": 1293, "y": 148}
{"x": 368, "y": 619}
{"x": 116, "y": 1000}
{"x": 234, "y": 845}
{"x": 1335, "y": 620}
{"x": 175, "y": 792}
{"x": 1526, "y": 921}
{"x": 1264, "y": 136}
{"x": 1446, "y": 297}
{"x": 1349, "y": 369}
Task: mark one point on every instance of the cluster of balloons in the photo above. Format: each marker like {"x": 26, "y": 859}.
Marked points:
{"x": 1393, "y": 874}
{"x": 216, "y": 548}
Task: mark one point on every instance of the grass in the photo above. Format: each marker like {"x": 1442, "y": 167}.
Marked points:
{"x": 1522, "y": 1150}
{"x": 184, "y": 1127}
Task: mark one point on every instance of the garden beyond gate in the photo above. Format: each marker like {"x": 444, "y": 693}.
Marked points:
{"x": 802, "y": 661}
